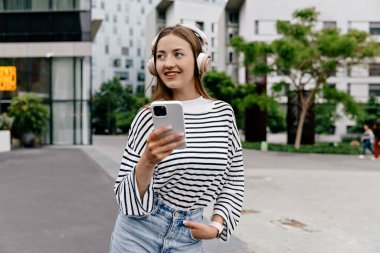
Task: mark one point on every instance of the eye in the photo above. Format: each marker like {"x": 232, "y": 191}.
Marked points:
{"x": 178, "y": 54}
{"x": 160, "y": 56}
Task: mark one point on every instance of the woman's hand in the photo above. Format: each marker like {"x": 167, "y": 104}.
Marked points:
{"x": 201, "y": 231}
{"x": 158, "y": 147}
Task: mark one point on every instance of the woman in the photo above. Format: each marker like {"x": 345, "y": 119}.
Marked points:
{"x": 161, "y": 190}
{"x": 367, "y": 139}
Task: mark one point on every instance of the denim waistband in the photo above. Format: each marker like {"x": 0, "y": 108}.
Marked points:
{"x": 171, "y": 212}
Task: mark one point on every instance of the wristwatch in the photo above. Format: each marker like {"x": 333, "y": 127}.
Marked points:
{"x": 219, "y": 226}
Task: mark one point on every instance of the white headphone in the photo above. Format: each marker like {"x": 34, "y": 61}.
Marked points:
{"x": 203, "y": 59}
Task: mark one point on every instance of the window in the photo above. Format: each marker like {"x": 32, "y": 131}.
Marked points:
{"x": 212, "y": 27}
{"x": 329, "y": 24}
{"x": 233, "y": 17}
{"x": 142, "y": 10}
{"x": 117, "y": 63}
{"x": 141, "y": 77}
{"x": 106, "y": 49}
{"x": 124, "y": 51}
{"x": 374, "y": 69}
{"x": 138, "y": 51}
{"x": 213, "y": 42}
{"x": 114, "y": 18}
{"x": 142, "y": 64}
{"x": 131, "y": 31}
{"x": 374, "y": 28}
{"x": 131, "y": 43}
{"x": 107, "y": 17}
{"x": 102, "y": 6}
{"x": 349, "y": 88}
{"x": 374, "y": 89}
{"x": 257, "y": 27}
{"x": 200, "y": 25}
{"x": 129, "y": 63}
{"x": 230, "y": 57}
{"x": 122, "y": 75}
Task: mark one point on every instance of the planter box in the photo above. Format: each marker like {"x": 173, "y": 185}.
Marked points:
{"x": 5, "y": 140}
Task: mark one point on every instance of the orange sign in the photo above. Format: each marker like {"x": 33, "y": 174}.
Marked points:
{"x": 7, "y": 78}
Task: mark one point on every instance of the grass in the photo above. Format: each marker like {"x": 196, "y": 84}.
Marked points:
{"x": 318, "y": 148}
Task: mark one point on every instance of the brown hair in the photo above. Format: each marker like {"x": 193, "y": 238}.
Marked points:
{"x": 162, "y": 92}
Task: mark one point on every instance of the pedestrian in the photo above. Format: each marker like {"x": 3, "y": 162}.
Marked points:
{"x": 367, "y": 140}
{"x": 162, "y": 191}
{"x": 376, "y": 145}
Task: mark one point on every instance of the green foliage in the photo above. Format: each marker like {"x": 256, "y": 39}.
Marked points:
{"x": 114, "y": 108}
{"x": 5, "y": 122}
{"x": 370, "y": 115}
{"x": 29, "y": 113}
{"x": 325, "y": 116}
{"x": 276, "y": 119}
{"x": 318, "y": 148}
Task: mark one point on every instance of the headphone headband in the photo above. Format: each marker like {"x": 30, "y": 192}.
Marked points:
{"x": 198, "y": 32}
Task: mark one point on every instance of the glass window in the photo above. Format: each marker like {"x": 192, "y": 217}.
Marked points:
{"x": 117, "y": 63}
{"x": 122, "y": 75}
{"x": 329, "y": 24}
{"x": 374, "y": 89}
{"x": 63, "y": 79}
{"x": 200, "y": 25}
{"x": 129, "y": 63}
{"x": 374, "y": 28}
{"x": 141, "y": 77}
{"x": 63, "y": 119}
{"x": 142, "y": 64}
{"x": 257, "y": 30}
{"x": 124, "y": 51}
{"x": 374, "y": 69}
{"x": 40, "y": 4}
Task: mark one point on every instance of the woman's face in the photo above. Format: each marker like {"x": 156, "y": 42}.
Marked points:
{"x": 175, "y": 65}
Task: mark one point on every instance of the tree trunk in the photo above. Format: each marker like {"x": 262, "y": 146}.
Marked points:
{"x": 297, "y": 143}
{"x": 295, "y": 115}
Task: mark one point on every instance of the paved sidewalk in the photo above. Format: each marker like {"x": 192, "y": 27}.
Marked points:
{"x": 60, "y": 200}
{"x": 297, "y": 203}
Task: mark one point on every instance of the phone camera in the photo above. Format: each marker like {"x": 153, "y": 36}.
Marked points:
{"x": 159, "y": 111}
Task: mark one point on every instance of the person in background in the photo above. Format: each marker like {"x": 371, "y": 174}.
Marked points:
{"x": 367, "y": 139}
{"x": 161, "y": 190}
{"x": 376, "y": 144}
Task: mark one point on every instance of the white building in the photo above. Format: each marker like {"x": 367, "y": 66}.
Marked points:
{"x": 119, "y": 47}
{"x": 255, "y": 20}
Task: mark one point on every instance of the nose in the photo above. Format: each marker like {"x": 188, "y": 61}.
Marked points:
{"x": 170, "y": 62}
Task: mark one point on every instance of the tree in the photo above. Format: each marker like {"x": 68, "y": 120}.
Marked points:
{"x": 307, "y": 57}
{"x": 371, "y": 113}
{"x": 255, "y": 57}
{"x": 114, "y": 107}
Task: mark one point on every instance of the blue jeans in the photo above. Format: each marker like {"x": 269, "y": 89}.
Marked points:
{"x": 162, "y": 231}
{"x": 367, "y": 145}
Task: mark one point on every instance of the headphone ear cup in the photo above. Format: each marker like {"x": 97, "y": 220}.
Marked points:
{"x": 151, "y": 66}
{"x": 203, "y": 63}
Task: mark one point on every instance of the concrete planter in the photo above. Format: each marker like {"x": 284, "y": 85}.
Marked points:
{"x": 5, "y": 140}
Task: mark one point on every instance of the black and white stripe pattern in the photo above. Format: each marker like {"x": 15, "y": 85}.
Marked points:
{"x": 209, "y": 168}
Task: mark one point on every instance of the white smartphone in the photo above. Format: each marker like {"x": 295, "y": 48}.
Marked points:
{"x": 169, "y": 113}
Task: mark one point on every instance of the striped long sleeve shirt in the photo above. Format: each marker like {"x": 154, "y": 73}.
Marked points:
{"x": 209, "y": 169}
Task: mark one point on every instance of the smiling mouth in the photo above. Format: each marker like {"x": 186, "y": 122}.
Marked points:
{"x": 171, "y": 74}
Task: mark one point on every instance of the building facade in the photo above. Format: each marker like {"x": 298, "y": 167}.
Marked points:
{"x": 49, "y": 42}
{"x": 255, "y": 20}
{"x": 119, "y": 47}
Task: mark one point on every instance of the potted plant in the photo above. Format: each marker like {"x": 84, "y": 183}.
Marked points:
{"x": 30, "y": 118}
{"x": 5, "y": 132}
